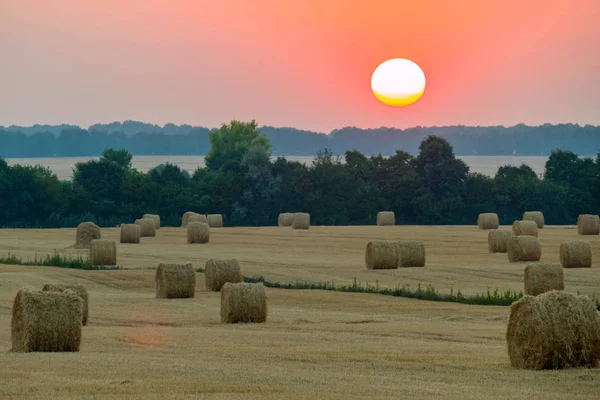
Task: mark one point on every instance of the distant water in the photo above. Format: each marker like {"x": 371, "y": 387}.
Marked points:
{"x": 63, "y": 166}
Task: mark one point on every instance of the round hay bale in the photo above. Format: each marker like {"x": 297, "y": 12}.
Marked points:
{"x": 77, "y": 289}
{"x": 130, "y": 233}
{"x": 536, "y": 216}
{"x": 198, "y": 232}
{"x": 215, "y": 220}
{"x": 553, "y": 330}
{"x": 175, "y": 281}
{"x": 219, "y": 272}
{"x": 86, "y": 232}
{"x": 243, "y": 302}
{"x": 588, "y": 224}
{"x": 285, "y": 219}
{"x": 576, "y": 254}
{"x": 488, "y": 221}
{"x": 185, "y": 218}
{"x": 386, "y": 218}
{"x": 301, "y": 221}
{"x": 382, "y": 254}
{"x": 154, "y": 217}
{"x": 103, "y": 252}
{"x": 46, "y": 321}
{"x": 411, "y": 254}
{"x": 498, "y": 240}
{"x": 543, "y": 277}
{"x": 197, "y": 218}
{"x": 524, "y": 248}
{"x": 527, "y": 228}
{"x": 147, "y": 227}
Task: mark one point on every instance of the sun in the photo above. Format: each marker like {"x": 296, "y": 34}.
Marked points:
{"x": 398, "y": 82}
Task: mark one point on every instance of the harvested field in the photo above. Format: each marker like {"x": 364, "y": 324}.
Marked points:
{"x": 315, "y": 344}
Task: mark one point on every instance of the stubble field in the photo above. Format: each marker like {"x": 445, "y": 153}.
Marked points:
{"x": 315, "y": 344}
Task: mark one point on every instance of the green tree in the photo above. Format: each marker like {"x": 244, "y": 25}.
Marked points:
{"x": 231, "y": 142}
{"x": 120, "y": 157}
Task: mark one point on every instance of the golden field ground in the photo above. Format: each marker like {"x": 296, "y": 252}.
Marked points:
{"x": 315, "y": 344}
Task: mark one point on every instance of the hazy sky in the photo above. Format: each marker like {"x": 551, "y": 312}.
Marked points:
{"x": 301, "y": 63}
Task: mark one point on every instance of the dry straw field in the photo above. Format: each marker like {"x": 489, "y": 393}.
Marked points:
{"x": 314, "y": 345}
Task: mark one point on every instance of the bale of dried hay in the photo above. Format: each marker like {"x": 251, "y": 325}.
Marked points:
{"x": 588, "y": 224}
{"x": 527, "y": 228}
{"x": 543, "y": 277}
{"x": 198, "y": 232}
{"x": 86, "y": 232}
{"x": 243, "y": 302}
{"x": 411, "y": 254}
{"x": 285, "y": 219}
{"x": 301, "y": 221}
{"x": 553, "y": 330}
{"x": 77, "y": 289}
{"x": 488, "y": 221}
{"x": 186, "y": 217}
{"x": 386, "y": 218}
{"x": 219, "y": 272}
{"x": 147, "y": 227}
{"x": 175, "y": 281}
{"x": 103, "y": 252}
{"x": 576, "y": 254}
{"x": 46, "y": 321}
{"x": 197, "y": 218}
{"x": 536, "y": 216}
{"x": 498, "y": 240}
{"x": 130, "y": 233}
{"x": 215, "y": 220}
{"x": 154, "y": 217}
{"x": 524, "y": 248}
{"x": 382, "y": 254}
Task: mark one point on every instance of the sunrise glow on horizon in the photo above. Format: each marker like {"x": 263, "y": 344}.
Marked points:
{"x": 300, "y": 63}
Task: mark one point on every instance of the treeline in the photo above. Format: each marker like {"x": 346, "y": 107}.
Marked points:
{"x": 147, "y": 139}
{"x": 241, "y": 182}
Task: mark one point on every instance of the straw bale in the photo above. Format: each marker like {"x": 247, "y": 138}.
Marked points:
{"x": 386, "y": 218}
{"x": 243, "y": 302}
{"x": 46, "y": 321}
{"x": 543, "y": 277}
{"x": 285, "y": 219}
{"x": 175, "y": 281}
{"x": 498, "y": 240}
{"x": 86, "y": 232}
{"x": 488, "y": 221}
{"x": 103, "y": 252}
{"x": 301, "y": 221}
{"x": 524, "y": 248}
{"x": 411, "y": 254}
{"x": 154, "y": 217}
{"x": 536, "y": 216}
{"x": 215, "y": 220}
{"x": 553, "y": 330}
{"x": 147, "y": 227}
{"x": 198, "y": 232}
{"x": 576, "y": 254}
{"x": 382, "y": 254}
{"x": 588, "y": 224}
{"x": 130, "y": 233}
{"x": 528, "y": 228}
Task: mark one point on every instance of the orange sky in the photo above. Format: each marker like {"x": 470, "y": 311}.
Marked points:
{"x": 301, "y": 63}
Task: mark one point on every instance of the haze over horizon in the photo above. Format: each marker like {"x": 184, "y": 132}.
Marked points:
{"x": 302, "y": 64}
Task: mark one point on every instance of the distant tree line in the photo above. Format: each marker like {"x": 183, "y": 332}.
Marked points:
{"x": 146, "y": 139}
{"x": 241, "y": 182}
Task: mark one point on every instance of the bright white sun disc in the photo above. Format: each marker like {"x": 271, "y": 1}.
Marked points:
{"x": 398, "y": 82}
